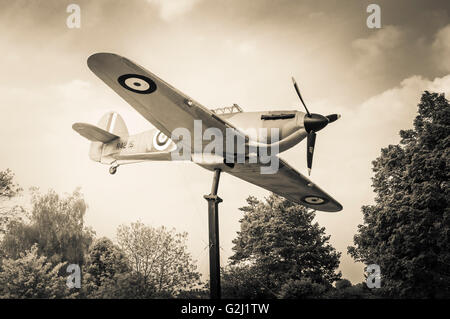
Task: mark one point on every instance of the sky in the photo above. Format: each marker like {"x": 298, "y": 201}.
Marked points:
{"x": 219, "y": 52}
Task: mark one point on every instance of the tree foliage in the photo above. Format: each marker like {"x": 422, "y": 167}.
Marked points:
{"x": 56, "y": 225}
{"x": 8, "y": 190}
{"x": 280, "y": 243}
{"x": 159, "y": 256}
{"x": 104, "y": 269}
{"x": 345, "y": 290}
{"x": 127, "y": 285}
{"x": 407, "y": 230}
{"x": 150, "y": 262}
{"x": 108, "y": 274}
{"x": 245, "y": 282}
{"x": 32, "y": 276}
{"x": 303, "y": 288}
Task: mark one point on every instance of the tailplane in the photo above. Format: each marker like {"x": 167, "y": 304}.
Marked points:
{"x": 94, "y": 133}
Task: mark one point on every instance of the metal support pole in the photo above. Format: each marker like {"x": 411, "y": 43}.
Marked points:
{"x": 213, "y": 226}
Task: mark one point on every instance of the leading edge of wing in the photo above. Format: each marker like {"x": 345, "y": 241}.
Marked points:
{"x": 288, "y": 183}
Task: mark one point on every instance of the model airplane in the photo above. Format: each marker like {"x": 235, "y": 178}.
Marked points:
{"x": 168, "y": 109}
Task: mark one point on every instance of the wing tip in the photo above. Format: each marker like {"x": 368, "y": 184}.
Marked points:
{"x": 333, "y": 207}
{"x": 98, "y": 57}
{"x": 329, "y": 206}
{"x": 77, "y": 126}
{"x": 336, "y": 208}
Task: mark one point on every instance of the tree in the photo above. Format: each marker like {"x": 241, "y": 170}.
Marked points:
{"x": 32, "y": 276}
{"x": 244, "y": 282}
{"x": 8, "y": 190}
{"x": 195, "y": 293}
{"x": 127, "y": 285}
{"x": 406, "y": 232}
{"x": 159, "y": 256}
{"x": 345, "y": 290}
{"x": 280, "y": 243}
{"x": 304, "y": 288}
{"x": 108, "y": 274}
{"x": 105, "y": 266}
{"x": 343, "y": 284}
{"x": 56, "y": 224}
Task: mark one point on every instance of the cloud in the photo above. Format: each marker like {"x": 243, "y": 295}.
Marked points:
{"x": 170, "y": 9}
{"x": 241, "y": 47}
{"x": 364, "y": 130}
{"x": 346, "y": 148}
{"x": 441, "y": 48}
{"x": 381, "y": 117}
{"x": 382, "y": 39}
{"x": 376, "y": 50}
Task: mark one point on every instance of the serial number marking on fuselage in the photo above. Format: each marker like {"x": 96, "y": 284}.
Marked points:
{"x": 124, "y": 145}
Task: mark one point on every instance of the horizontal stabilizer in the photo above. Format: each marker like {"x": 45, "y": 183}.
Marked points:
{"x": 93, "y": 133}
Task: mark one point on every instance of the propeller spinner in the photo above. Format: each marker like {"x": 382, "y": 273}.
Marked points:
{"x": 313, "y": 123}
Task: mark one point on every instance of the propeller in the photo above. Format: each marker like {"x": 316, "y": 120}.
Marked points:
{"x": 313, "y": 123}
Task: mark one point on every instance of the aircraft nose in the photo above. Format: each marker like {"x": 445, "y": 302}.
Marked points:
{"x": 315, "y": 122}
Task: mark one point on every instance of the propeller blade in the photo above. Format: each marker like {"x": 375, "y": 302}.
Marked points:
{"x": 311, "y": 142}
{"x": 300, "y": 96}
{"x": 333, "y": 117}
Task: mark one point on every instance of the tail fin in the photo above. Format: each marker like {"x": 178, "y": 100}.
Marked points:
{"x": 110, "y": 127}
{"x": 114, "y": 124}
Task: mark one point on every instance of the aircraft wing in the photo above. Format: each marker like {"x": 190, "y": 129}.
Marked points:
{"x": 288, "y": 183}
{"x": 157, "y": 101}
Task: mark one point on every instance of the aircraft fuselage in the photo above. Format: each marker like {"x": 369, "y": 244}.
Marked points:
{"x": 288, "y": 125}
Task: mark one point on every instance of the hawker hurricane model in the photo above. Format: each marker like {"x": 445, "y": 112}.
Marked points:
{"x": 168, "y": 110}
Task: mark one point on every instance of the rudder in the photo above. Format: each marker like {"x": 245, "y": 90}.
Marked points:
{"x": 113, "y": 123}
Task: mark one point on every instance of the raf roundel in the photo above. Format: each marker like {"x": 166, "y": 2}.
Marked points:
{"x": 161, "y": 141}
{"x": 137, "y": 83}
{"x": 314, "y": 200}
